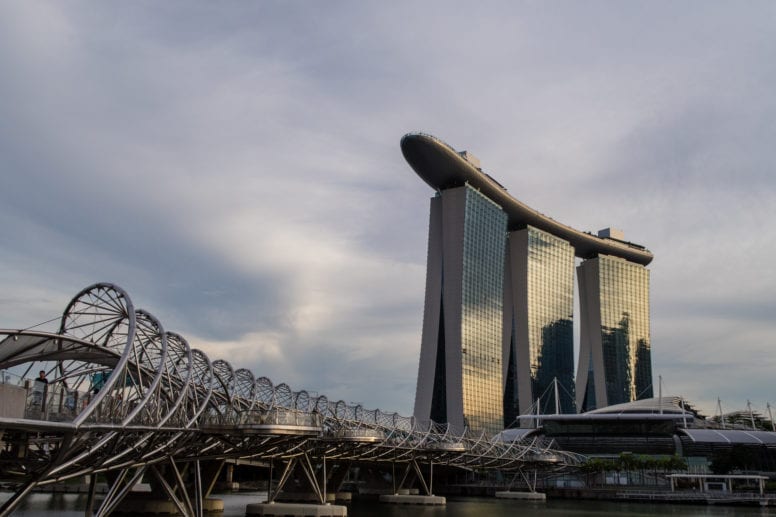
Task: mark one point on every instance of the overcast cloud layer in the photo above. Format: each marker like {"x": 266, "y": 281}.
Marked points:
{"x": 235, "y": 167}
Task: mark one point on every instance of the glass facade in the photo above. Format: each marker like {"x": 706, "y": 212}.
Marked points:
{"x": 541, "y": 347}
{"x": 550, "y": 319}
{"x": 484, "y": 238}
{"x": 498, "y": 330}
{"x": 495, "y": 297}
{"x": 625, "y": 341}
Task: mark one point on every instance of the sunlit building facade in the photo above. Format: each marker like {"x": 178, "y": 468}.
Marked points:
{"x": 615, "y": 364}
{"x": 538, "y": 341}
{"x": 460, "y": 378}
{"x": 499, "y": 303}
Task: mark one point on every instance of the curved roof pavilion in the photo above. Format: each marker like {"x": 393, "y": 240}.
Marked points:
{"x": 443, "y": 167}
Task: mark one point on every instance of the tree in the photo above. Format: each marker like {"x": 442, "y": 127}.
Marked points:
{"x": 627, "y": 462}
{"x": 676, "y": 462}
{"x": 595, "y": 466}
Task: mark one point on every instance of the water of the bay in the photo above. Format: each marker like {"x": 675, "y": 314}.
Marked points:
{"x": 72, "y": 505}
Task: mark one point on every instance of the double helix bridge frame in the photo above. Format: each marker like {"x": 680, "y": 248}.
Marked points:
{"x": 126, "y": 399}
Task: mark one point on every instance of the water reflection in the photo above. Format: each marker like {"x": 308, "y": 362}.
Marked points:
{"x": 72, "y": 505}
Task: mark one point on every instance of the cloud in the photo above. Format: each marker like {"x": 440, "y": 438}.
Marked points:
{"x": 237, "y": 169}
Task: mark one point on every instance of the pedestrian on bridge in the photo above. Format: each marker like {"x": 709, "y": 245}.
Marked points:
{"x": 39, "y": 388}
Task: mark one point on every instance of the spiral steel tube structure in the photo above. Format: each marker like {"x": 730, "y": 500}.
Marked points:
{"x": 125, "y": 398}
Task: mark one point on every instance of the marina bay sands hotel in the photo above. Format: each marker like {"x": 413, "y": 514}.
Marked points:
{"x": 499, "y": 304}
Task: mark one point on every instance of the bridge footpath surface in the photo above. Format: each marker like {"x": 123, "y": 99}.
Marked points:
{"x": 128, "y": 401}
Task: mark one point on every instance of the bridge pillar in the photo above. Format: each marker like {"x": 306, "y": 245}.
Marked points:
{"x": 414, "y": 467}
{"x": 228, "y": 479}
{"x": 120, "y": 483}
{"x": 316, "y": 474}
{"x": 303, "y": 468}
{"x": 318, "y": 486}
{"x": 185, "y": 488}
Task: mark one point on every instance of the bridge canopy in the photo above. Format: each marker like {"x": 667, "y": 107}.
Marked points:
{"x": 17, "y": 348}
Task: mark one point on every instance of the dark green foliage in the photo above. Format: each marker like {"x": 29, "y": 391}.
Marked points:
{"x": 634, "y": 463}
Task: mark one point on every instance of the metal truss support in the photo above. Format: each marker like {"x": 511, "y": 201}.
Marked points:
{"x": 183, "y": 503}
{"x": 119, "y": 489}
{"x": 528, "y": 482}
{"x": 208, "y": 474}
{"x": 11, "y": 504}
{"x": 426, "y": 486}
{"x": 185, "y": 489}
{"x": 531, "y": 485}
{"x": 336, "y": 475}
{"x": 89, "y": 510}
{"x": 304, "y": 462}
{"x": 187, "y": 497}
{"x": 287, "y": 470}
{"x": 414, "y": 466}
{"x": 309, "y": 472}
{"x": 398, "y": 487}
{"x": 199, "y": 495}
{"x": 188, "y": 500}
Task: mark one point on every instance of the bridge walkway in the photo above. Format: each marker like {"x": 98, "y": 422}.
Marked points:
{"x": 126, "y": 399}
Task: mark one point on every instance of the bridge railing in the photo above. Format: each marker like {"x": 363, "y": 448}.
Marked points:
{"x": 264, "y": 417}
{"x": 54, "y": 402}
{"x": 360, "y": 434}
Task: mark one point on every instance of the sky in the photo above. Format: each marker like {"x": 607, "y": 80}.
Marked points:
{"x": 235, "y": 167}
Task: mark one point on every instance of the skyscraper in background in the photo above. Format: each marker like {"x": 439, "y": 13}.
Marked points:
{"x": 460, "y": 378}
{"x": 538, "y": 324}
{"x": 498, "y": 316}
{"x": 614, "y": 354}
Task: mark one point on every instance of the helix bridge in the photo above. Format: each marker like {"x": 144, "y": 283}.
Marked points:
{"x": 127, "y": 400}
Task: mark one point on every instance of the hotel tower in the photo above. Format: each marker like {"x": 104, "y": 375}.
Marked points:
{"x": 497, "y": 335}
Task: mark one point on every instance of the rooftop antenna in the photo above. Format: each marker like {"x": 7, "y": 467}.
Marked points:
{"x": 660, "y": 392}
{"x": 721, "y": 416}
{"x": 770, "y": 415}
{"x": 557, "y": 400}
{"x": 751, "y": 415}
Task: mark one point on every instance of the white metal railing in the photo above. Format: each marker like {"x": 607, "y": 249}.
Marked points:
{"x": 273, "y": 416}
